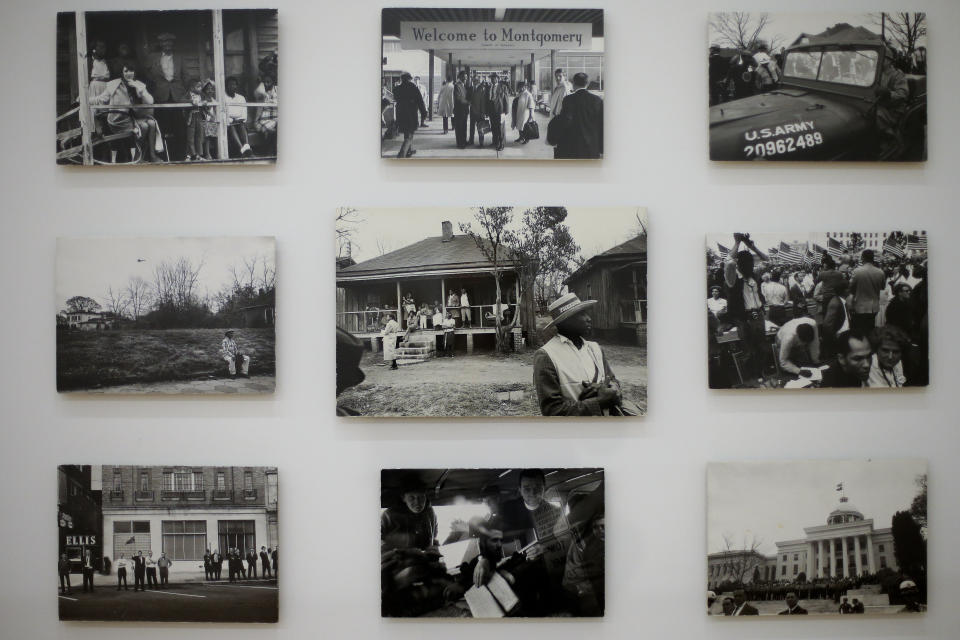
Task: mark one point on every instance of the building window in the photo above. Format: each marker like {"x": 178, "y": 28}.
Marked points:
{"x": 883, "y": 562}
{"x": 880, "y": 548}
{"x": 221, "y": 481}
{"x": 117, "y": 484}
{"x": 784, "y": 557}
{"x": 184, "y": 539}
{"x": 796, "y": 557}
{"x": 248, "y": 480}
{"x": 198, "y": 480}
{"x": 795, "y": 569}
{"x": 144, "y": 481}
{"x": 130, "y": 536}
{"x": 236, "y": 534}
{"x": 183, "y": 481}
{"x": 783, "y": 570}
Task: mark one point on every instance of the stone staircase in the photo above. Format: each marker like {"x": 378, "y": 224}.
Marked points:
{"x": 420, "y": 349}
{"x": 869, "y": 595}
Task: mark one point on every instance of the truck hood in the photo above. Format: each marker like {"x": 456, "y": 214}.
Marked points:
{"x": 784, "y": 114}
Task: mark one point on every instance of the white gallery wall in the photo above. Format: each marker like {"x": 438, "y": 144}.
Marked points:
{"x": 656, "y": 156}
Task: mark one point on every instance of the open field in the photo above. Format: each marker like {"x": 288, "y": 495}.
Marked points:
{"x": 93, "y": 360}
{"x": 481, "y": 384}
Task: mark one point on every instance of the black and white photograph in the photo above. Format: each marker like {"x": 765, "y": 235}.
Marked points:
{"x": 491, "y": 311}
{"x": 817, "y": 537}
{"x": 492, "y": 84}
{"x": 166, "y": 315}
{"x": 492, "y": 543}
{"x": 167, "y": 87}
{"x": 817, "y": 310}
{"x": 167, "y": 543}
{"x": 818, "y": 86}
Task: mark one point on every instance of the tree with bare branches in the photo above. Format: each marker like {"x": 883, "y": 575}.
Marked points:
{"x": 903, "y": 28}
{"x": 346, "y": 225}
{"x": 116, "y": 302}
{"x": 743, "y": 30}
{"x": 740, "y": 562}
{"x": 138, "y": 294}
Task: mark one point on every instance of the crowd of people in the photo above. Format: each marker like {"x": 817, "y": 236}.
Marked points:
{"x": 145, "y": 569}
{"x": 859, "y": 320}
{"x": 161, "y": 77}
{"x": 512, "y": 539}
{"x": 473, "y": 104}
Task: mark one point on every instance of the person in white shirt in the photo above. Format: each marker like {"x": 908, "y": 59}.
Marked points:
{"x": 776, "y": 296}
{"x": 715, "y": 304}
{"x": 122, "y": 564}
{"x": 561, "y": 89}
{"x": 230, "y": 352}
{"x": 237, "y": 117}
{"x": 886, "y": 364}
{"x": 798, "y": 345}
{"x": 465, "y": 309}
{"x": 389, "y": 334}
{"x": 449, "y": 334}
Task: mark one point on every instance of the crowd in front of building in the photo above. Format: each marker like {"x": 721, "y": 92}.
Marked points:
{"x": 854, "y": 320}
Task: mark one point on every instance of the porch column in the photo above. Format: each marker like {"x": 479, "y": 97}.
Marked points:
{"x": 443, "y": 298}
{"x": 856, "y": 551}
{"x": 871, "y": 566}
{"x": 221, "y": 87}
{"x": 430, "y": 88}
{"x": 469, "y": 342}
{"x": 843, "y": 550}
{"x": 399, "y": 312}
{"x": 809, "y": 561}
{"x": 253, "y": 50}
{"x": 833, "y": 558}
{"x": 819, "y": 558}
{"x": 83, "y": 84}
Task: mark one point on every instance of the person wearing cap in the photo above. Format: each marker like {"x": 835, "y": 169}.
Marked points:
{"x": 409, "y": 103}
{"x": 571, "y": 374}
{"x": 411, "y": 524}
{"x": 793, "y": 606}
{"x": 167, "y": 76}
{"x": 741, "y": 606}
{"x": 230, "y": 351}
{"x": 911, "y": 598}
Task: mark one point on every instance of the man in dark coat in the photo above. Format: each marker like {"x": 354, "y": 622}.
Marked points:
{"x": 410, "y": 108}
{"x": 167, "y": 79}
{"x": 741, "y": 606}
{"x": 461, "y": 109}
{"x": 851, "y": 367}
{"x": 578, "y": 130}
{"x": 793, "y": 607}
{"x": 479, "y": 91}
{"x": 498, "y": 105}
{"x": 139, "y": 571}
{"x": 264, "y": 562}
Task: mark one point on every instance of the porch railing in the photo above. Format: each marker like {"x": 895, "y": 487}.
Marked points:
{"x": 481, "y": 316}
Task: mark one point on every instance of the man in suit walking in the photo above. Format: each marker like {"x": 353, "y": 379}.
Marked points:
{"x": 461, "y": 110}
{"x": 63, "y": 569}
{"x": 168, "y": 82}
{"x": 264, "y": 562}
{"x": 498, "y": 106}
{"x": 139, "y": 571}
{"x": 479, "y": 93}
{"x": 578, "y": 131}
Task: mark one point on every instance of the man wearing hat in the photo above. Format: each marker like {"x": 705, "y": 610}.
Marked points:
{"x": 168, "y": 81}
{"x": 911, "y": 598}
{"x": 230, "y": 352}
{"x": 571, "y": 373}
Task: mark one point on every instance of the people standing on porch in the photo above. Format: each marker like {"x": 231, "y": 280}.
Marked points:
{"x": 237, "y": 117}
{"x": 445, "y": 104}
{"x": 123, "y": 58}
{"x": 99, "y": 74}
{"x": 409, "y": 103}
{"x": 449, "y": 334}
{"x": 265, "y": 121}
{"x": 389, "y": 334}
{"x": 437, "y": 315}
{"x": 167, "y": 74}
{"x": 465, "y": 309}
{"x": 196, "y": 116}
{"x": 123, "y": 92}
{"x": 571, "y": 374}
{"x": 408, "y": 304}
{"x": 453, "y": 307}
{"x": 424, "y": 315}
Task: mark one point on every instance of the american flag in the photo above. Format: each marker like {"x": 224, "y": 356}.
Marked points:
{"x": 810, "y": 259}
{"x": 834, "y": 248}
{"x": 789, "y": 255}
{"x": 916, "y": 243}
{"x": 772, "y": 252}
{"x": 723, "y": 251}
{"x": 892, "y": 249}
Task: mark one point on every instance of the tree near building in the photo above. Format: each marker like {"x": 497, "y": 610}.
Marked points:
{"x": 918, "y": 508}
{"x": 82, "y": 304}
{"x": 742, "y": 30}
{"x": 909, "y": 547}
{"x": 903, "y": 28}
{"x": 138, "y": 294}
{"x": 743, "y": 560}
{"x": 854, "y": 243}
{"x": 116, "y": 302}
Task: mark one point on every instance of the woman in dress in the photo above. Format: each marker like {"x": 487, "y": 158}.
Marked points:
{"x": 122, "y": 93}
{"x": 524, "y": 110}
{"x": 445, "y": 106}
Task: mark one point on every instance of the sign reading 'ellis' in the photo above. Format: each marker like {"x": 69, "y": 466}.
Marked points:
{"x": 495, "y": 35}
{"x": 81, "y": 540}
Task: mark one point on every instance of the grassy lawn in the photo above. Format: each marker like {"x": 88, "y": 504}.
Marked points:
{"x": 98, "y": 359}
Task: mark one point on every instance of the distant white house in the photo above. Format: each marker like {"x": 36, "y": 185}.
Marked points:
{"x": 90, "y": 320}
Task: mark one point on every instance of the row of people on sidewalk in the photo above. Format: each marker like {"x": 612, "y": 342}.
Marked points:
{"x": 213, "y": 563}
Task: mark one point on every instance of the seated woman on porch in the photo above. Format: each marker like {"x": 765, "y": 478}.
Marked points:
{"x": 266, "y": 120}
{"x": 123, "y": 92}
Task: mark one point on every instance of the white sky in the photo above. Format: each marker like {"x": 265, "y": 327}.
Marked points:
{"x": 594, "y": 229}
{"x": 87, "y": 266}
{"x": 787, "y": 26}
{"x": 766, "y": 240}
{"x": 775, "y": 501}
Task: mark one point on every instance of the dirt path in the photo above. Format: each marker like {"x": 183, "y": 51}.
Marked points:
{"x": 474, "y": 369}
{"x": 253, "y": 384}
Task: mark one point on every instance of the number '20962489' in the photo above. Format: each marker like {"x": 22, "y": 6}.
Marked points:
{"x": 783, "y": 145}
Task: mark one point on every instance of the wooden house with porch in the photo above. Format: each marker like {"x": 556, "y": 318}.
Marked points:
{"x": 617, "y": 280}
{"x": 210, "y": 44}
{"x": 368, "y": 292}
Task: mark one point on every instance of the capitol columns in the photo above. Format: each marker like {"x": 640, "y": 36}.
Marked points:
{"x": 871, "y": 567}
{"x": 846, "y": 562}
{"x": 820, "y": 558}
{"x": 833, "y": 558}
{"x": 856, "y": 551}
{"x": 810, "y": 561}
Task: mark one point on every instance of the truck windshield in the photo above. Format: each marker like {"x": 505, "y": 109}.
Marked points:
{"x": 855, "y": 67}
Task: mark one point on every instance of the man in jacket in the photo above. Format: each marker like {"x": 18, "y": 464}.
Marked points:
{"x": 498, "y": 106}
{"x": 168, "y": 80}
{"x": 163, "y": 564}
{"x": 851, "y": 367}
{"x": 571, "y": 374}
{"x": 264, "y": 562}
{"x": 866, "y": 283}
{"x": 207, "y": 565}
{"x": 461, "y": 109}
{"x": 409, "y": 103}
{"x": 139, "y": 571}
{"x": 741, "y": 606}
{"x": 578, "y": 130}
{"x": 252, "y": 563}
{"x": 561, "y": 89}
{"x": 216, "y": 564}
{"x": 793, "y": 607}
{"x": 63, "y": 569}
{"x": 479, "y": 94}
{"x": 87, "y": 571}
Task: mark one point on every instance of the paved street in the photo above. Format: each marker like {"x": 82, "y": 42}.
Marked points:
{"x": 248, "y": 601}
{"x": 432, "y": 143}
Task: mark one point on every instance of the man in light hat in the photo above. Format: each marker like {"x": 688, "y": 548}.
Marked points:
{"x": 911, "y": 598}
{"x": 230, "y": 352}
{"x": 571, "y": 373}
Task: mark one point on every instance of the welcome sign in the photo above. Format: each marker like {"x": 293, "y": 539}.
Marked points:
{"x": 496, "y": 35}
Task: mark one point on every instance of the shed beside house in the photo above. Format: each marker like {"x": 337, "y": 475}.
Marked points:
{"x": 617, "y": 280}
{"x": 370, "y": 291}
